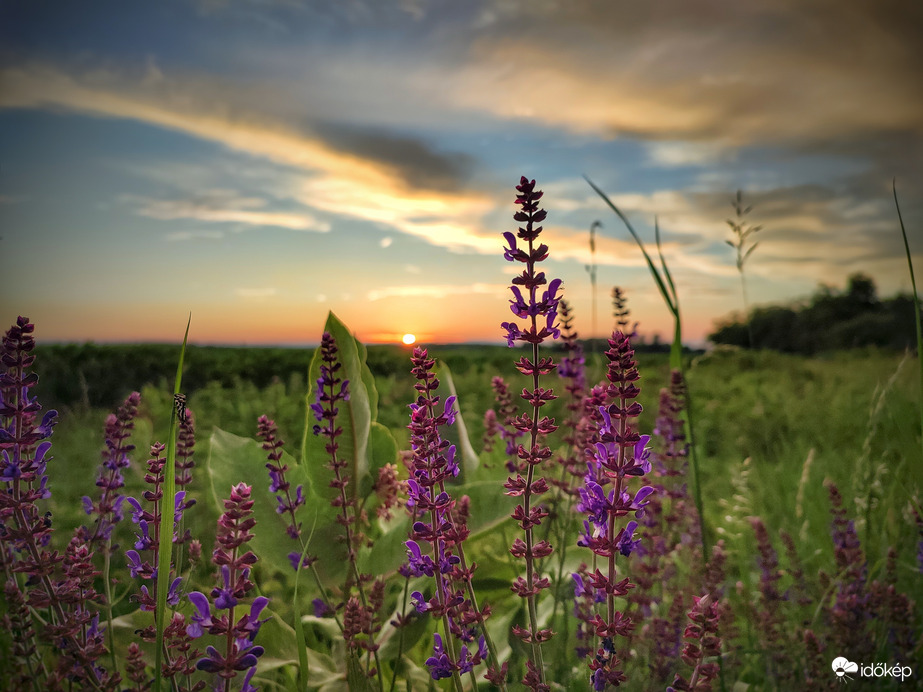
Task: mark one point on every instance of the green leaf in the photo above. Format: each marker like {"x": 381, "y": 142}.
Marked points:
{"x": 387, "y": 552}
{"x": 489, "y": 504}
{"x": 382, "y": 450}
{"x": 232, "y": 459}
{"x": 356, "y": 678}
{"x": 458, "y": 433}
{"x": 390, "y": 637}
{"x": 368, "y": 379}
{"x": 355, "y": 415}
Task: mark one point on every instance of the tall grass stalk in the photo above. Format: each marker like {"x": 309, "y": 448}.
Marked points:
{"x": 591, "y": 270}
{"x": 167, "y": 516}
{"x": 664, "y": 281}
{"x": 916, "y": 302}
{"x": 742, "y": 230}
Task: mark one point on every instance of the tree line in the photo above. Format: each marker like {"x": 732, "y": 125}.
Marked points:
{"x": 829, "y": 320}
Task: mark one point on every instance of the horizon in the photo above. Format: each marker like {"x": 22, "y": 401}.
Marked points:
{"x": 261, "y": 164}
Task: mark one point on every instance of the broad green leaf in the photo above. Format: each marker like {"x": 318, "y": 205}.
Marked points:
{"x": 355, "y": 415}
{"x": 232, "y": 459}
{"x": 277, "y": 637}
{"x": 324, "y": 672}
{"x": 489, "y": 504}
{"x": 390, "y": 636}
{"x": 458, "y": 433}
{"x": 355, "y": 675}
{"x": 382, "y": 450}
{"x": 387, "y": 552}
{"x": 368, "y": 379}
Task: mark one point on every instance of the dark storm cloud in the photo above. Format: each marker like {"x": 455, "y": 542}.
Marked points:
{"x": 412, "y": 159}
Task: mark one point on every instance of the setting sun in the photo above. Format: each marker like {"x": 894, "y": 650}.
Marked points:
{"x": 408, "y": 339}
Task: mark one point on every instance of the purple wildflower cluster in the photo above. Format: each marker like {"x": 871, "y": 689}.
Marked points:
{"x": 442, "y": 528}
{"x": 620, "y": 454}
{"x": 540, "y": 312}
{"x": 108, "y": 508}
{"x": 501, "y": 422}
{"x": 234, "y": 564}
{"x": 56, "y": 607}
{"x": 702, "y": 642}
{"x": 571, "y": 369}
{"x": 146, "y": 515}
{"x": 626, "y": 503}
{"x": 286, "y": 503}
{"x": 180, "y": 655}
{"x": 362, "y": 595}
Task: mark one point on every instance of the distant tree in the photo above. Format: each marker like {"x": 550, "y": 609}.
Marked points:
{"x": 829, "y": 320}
{"x": 772, "y": 327}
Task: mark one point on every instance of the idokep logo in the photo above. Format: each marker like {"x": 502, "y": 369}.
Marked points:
{"x": 842, "y": 667}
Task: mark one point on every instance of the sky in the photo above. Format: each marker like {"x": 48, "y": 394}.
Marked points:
{"x": 259, "y": 163}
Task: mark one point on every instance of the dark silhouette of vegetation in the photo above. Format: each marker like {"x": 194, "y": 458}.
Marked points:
{"x": 830, "y": 320}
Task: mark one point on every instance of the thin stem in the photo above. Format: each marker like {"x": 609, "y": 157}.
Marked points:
{"x": 107, "y": 559}
{"x": 229, "y": 635}
{"x": 743, "y": 289}
{"x": 526, "y": 501}
{"x": 400, "y": 645}
{"x": 347, "y": 522}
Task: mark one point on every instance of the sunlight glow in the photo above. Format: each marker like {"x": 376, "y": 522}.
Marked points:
{"x": 408, "y": 339}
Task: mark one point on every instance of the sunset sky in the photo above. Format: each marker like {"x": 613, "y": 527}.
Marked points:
{"x": 260, "y": 162}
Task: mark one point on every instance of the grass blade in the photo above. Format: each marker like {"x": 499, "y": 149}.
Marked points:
{"x": 916, "y": 301}
{"x": 676, "y": 348}
{"x": 166, "y": 521}
{"x": 671, "y": 298}
{"x": 654, "y": 272}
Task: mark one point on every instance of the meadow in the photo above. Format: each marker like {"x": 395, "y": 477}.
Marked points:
{"x": 381, "y": 518}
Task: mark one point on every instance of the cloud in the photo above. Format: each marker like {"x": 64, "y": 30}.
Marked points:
{"x": 178, "y": 236}
{"x": 408, "y": 157}
{"x": 672, "y": 154}
{"x": 386, "y": 241}
{"x": 334, "y": 180}
{"x": 222, "y": 206}
{"x": 732, "y": 73}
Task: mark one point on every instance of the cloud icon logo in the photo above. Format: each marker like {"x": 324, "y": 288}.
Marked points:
{"x": 841, "y": 666}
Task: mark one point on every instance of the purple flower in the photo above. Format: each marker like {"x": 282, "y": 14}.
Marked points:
{"x": 249, "y": 626}
{"x": 625, "y": 543}
{"x": 144, "y": 542}
{"x": 202, "y": 618}
{"x": 247, "y": 687}
{"x": 439, "y": 664}
{"x": 418, "y": 563}
{"x": 278, "y": 484}
{"x": 134, "y": 563}
{"x": 115, "y": 458}
{"x": 321, "y": 608}
{"x": 224, "y": 597}
{"x": 579, "y": 588}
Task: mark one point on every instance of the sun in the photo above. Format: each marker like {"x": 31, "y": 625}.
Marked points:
{"x": 408, "y": 339}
